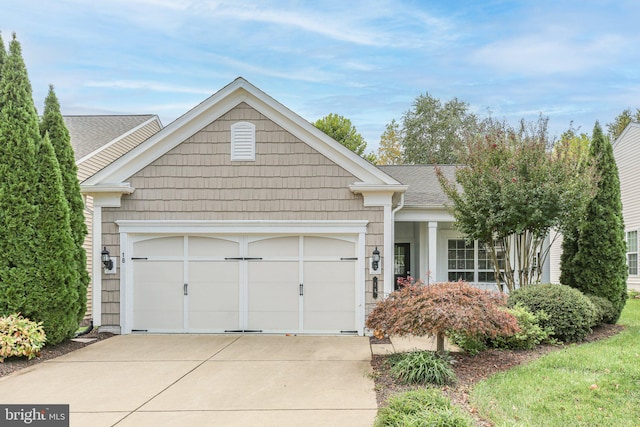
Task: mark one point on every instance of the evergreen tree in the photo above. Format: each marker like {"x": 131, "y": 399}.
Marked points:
{"x": 600, "y": 263}
{"x": 55, "y": 296}
{"x": 19, "y": 136}
{"x": 3, "y": 55}
{"x": 567, "y": 258}
{"x": 38, "y": 275}
{"x": 53, "y": 125}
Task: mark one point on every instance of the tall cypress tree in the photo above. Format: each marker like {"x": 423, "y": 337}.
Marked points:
{"x": 53, "y": 125}
{"x": 56, "y": 298}
{"x": 601, "y": 267}
{"x": 3, "y": 55}
{"x": 37, "y": 270}
{"x": 19, "y": 137}
{"x": 567, "y": 258}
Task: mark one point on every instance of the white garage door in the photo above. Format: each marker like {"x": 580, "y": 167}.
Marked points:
{"x": 244, "y": 283}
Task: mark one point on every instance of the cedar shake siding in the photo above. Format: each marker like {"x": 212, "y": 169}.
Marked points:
{"x": 198, "y": 181}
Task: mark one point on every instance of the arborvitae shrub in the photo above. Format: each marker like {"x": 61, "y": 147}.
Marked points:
{"x": 606, "y": 312}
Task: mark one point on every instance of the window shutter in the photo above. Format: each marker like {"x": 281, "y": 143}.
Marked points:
{"x": 243, "y": 141}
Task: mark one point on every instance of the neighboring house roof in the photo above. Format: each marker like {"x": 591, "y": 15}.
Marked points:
{"x": 424, "y": 188}
{"x": 99, "y": 140}
{"x": 89, "y": 133}
{"x": 235, "y": 93}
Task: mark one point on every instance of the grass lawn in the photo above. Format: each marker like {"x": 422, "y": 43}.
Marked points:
{"x": 595, "y": 384}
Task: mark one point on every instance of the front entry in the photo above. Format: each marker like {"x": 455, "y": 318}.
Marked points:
{"x": 402, "y": 262}
{"x": 248, "y": 283}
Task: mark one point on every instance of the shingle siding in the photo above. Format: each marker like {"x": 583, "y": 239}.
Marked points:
{"x": 198, "y": 181}
{"x": 627, "y": 154}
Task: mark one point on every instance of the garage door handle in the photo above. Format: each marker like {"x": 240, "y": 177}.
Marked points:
{"x": 301, "y": 289}
{"x": 349, "y": 258}
{"x": 185, "y": 289}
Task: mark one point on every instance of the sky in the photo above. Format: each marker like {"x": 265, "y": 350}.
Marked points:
{"x": 573, "y": 61}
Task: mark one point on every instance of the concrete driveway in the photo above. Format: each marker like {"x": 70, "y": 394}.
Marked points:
{"x": 206, "y": 380}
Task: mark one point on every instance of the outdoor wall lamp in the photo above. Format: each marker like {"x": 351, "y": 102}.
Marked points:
{"x": 375, "y": 259}
{"x": 106, "y": 259}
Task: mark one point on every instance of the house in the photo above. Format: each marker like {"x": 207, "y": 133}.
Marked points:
{"x": 626, "y": 151}
{"x": 97, "y": 140}
{"x": 241, "y": 216}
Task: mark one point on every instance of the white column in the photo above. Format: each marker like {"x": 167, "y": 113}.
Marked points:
{"x": 96, "y": 242}
{"x": 433, "y": 251}
{"x": 423, "y": 243}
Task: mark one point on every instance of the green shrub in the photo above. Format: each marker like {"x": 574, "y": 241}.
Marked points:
{"x": 570, "y": 312}
{"x": 468, "y": 343}
{"x": 20, "y": 337}
{"x": 605, "y": 311}
{"x": 531, "y": 332}
{"x": 421, "y": 408}
{"x": 423, "y": 367}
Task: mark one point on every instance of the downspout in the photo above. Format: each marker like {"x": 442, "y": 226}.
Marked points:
{"x": 393, "y": 228}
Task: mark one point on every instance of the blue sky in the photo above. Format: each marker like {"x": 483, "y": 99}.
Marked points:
{"x": 366, "y": 60}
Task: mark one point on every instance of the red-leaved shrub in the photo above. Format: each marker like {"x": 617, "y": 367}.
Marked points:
{"x": 421, "y": 310}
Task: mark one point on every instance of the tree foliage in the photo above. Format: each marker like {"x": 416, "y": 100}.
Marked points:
{"x": 510, "y": 191}
{"x": 342, "y": 130}
{"x": 52, "y": 124}
{"x": 433, "y": 131}
{"x": 442, "y": 308}
{"x": 617, "y": 126}
{"x": 600, "y": 262}
{"x": 390, "y": 149}
{"x": 37, "y": 272}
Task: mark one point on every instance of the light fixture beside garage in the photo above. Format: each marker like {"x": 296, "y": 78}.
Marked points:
{"x": 375, "y": 261}
{"x": 107, "y": 261}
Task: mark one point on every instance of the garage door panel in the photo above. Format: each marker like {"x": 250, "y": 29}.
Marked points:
{"x": 158, "y": 299}
{"x": 273, "y": 295}
{"x": 213, "y": 247}
{"x": 213, "y": 295}
{"x": 160, "y": 247}
{"x": 279, "y": 247}
{"x": 327, "y": 247}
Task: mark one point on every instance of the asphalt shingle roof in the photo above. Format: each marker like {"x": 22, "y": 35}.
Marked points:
{"x": 424, "y": 188}
{"x": 88, "y": 133}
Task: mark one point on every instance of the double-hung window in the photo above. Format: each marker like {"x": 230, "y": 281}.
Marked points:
{"x": 471, "y": 262}
{"x": 632, "y": 252}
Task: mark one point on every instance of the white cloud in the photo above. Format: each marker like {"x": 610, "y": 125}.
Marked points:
{"x": 146, "y": 85}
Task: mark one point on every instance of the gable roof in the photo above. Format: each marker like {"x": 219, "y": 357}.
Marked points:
{"x": 424, "y": 189}
{"x": 631, "y": 127}
{"x": 238, "y": 91}
{"x": 91, "y": 132}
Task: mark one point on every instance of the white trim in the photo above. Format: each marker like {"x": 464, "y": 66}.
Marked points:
{"x": 242, "y": 227}
{"x": 120, "y": 138}
{"x": 432, "y": 269}
{"x": 96, "y": 280}
{"x": 387, "y": 265}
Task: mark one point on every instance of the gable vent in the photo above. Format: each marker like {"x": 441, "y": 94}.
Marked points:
{"x": 243, "y": 141}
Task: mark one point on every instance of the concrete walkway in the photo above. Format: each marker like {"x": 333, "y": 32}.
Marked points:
{"x": 206, "y": 380}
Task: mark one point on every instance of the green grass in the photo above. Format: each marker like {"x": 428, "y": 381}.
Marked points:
{"x": 423, "y": 367}
{"x": 595, "y": 384}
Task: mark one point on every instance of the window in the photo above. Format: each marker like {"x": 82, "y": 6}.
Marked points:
{"x": 471, "y": 262}
{"x": 632, "y": 252}
{"x": 243, "y": 141}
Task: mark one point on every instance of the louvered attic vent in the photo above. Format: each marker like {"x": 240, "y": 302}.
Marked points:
{"x": 243, "y": 141}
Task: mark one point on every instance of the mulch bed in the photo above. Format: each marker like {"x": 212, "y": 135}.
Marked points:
{"x": 50, "y": 352}
{"x": 471, "y": 369}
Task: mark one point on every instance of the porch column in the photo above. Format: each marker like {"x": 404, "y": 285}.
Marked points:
{"x": 433, "y": 252}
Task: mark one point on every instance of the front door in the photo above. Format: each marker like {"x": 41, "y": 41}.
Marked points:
{"x": 402, "y": 262}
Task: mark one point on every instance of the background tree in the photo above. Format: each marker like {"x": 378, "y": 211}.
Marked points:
{"x": 617, "y": 126}
{"x": 601, "y": 267}
{"x": 433, "y": 131}
{"x": 390, "y": 149}
{"x": 37, "y": 272}
{"x": 511, "y": 190}
{"x": 342, "y": 130}
{"x": 442, "y": 308}
{"x": 3, "y": 54}
{"x": 52, "y": 124}
{"x": 576, "y": 146}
